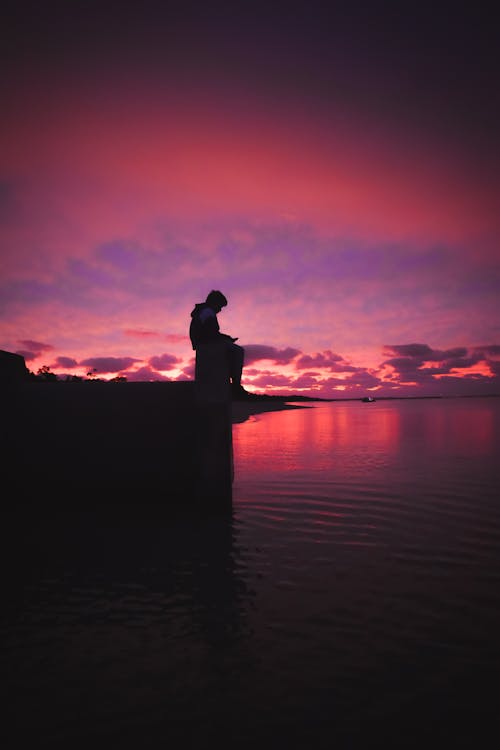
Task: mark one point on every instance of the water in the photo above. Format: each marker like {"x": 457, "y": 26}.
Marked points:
{"x": 353, "y": 595}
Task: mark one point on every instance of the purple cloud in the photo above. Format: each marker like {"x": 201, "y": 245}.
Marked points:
{"x": 121, "y": 255}
{"x": 32, "y": 349}
{"x": 256, "y": 352}
{"x": 306, "y": 380}
{"x": 36, "y": 345}
{"x": 271, "y": 380}
{"x": 403, "y": 364}
{"x": 28, "y": 356}
{"x": 409, "y": 371}
{"x": 325, "y": 360}
{"x": 492, "y": 350}
{"x": 164, "y": 362}
{"x": 494, "y": 365}
{"x": 423, "y": 353}
{"x": 67, "y": 362}
{"x": 108, "y": 364}
{"x": 144, "y": 374}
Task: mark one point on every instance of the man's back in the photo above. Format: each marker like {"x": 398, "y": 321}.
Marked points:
{"x": 204, "y": 326}
{"x": 204, "y": 329}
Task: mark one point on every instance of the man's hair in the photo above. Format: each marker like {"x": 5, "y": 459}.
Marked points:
{"x": 216, "y": 298}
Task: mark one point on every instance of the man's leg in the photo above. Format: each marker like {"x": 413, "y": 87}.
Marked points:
{"x": 236, "y": 356}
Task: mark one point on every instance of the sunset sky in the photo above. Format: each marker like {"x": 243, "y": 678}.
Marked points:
{"x": 333, "y": 170}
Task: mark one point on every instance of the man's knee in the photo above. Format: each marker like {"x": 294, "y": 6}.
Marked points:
{"x": 240, "y": 352}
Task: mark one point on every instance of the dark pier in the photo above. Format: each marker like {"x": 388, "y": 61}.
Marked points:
{"x": 106, "y": 443}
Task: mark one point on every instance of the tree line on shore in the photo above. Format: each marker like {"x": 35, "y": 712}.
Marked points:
{"x": 45, "y": 374}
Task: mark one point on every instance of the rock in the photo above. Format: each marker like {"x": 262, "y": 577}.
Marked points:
{"x": 12, "y": 368}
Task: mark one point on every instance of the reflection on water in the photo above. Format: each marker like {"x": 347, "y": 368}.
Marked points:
{"x": 350, "y": 434}
{"x": 374, "y": 530}
{"x": 117, "y": 626}
{"x": 353, "y": 593}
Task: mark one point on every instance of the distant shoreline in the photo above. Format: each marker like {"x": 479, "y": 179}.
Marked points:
{"x": 258, "y": 402}
{"x": 241, "y": 410}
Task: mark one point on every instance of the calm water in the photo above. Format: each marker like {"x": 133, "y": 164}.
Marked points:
{"x": 354, "y": 594}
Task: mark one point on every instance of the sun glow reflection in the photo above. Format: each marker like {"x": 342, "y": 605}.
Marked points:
{"x": 312, "y": 438}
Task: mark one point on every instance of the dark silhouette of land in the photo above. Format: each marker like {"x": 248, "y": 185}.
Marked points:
{"x": 101, "y": 442}
{"x": 106, "y": 443}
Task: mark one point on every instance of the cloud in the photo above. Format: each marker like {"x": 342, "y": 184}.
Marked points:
{"x": 271, "y": 380}
{"x": 436, "y": 371}
{"x": 28, "y": 356}
{"x": 494, "y": 366}
{"x": 315, "y": 382}
{"x": 364, "y": 379}
{"x": 164, "y": 362}
{"x": 32, "y": 349}
{"x": 257, "y": 352}
{"x": 67, "y": 362}
{"x": 175, "y": 338}
{"x": 144, "y": 374}
{"x": 326, "y": 360}
{"x": 403, "y": 364}
{"x": 412, "y": 364}
{"x": 144, "y": 335}
{"x": 307, "y": 380}
{"x": 37, "y": 347}
{"x": 108, "y": 364}
{"x": 424, "y": 353}
{"x": 352, "y": 386}
{"x": 492, "y": 350}
{"x": 7, "y": 201}
{"x": 341, "y": 290}
{"x": 188, "y": 371}
{"x": 140, "y": 334}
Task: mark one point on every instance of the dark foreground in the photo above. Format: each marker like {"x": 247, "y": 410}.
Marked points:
{"x": 269, "y": 624}
{"x": 81, "y": 444}
{"x": 82, "y": 441}
{"x": 146, "y": 632}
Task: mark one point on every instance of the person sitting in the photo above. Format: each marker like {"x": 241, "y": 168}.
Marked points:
{"x": 204, "y": 329}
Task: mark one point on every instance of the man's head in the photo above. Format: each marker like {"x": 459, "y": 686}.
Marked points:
{"x": 216, "y": 300}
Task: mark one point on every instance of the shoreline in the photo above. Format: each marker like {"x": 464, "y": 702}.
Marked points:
{"x": 242, "y": 410}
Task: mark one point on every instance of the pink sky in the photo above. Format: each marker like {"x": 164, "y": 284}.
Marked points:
{"x": 345, "y": 205}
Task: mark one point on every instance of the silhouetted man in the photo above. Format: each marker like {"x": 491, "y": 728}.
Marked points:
{"x": 204, "y": 329}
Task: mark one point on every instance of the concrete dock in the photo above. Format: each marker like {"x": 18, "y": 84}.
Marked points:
{"x": 109, "y": 443}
